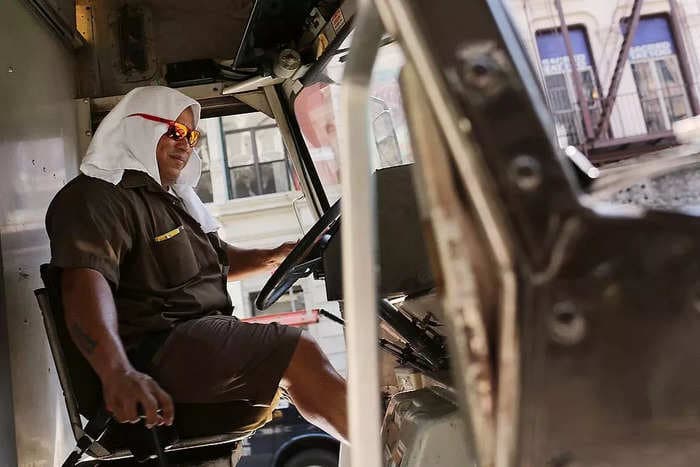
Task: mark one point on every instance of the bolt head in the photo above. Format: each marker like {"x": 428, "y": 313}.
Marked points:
{"x": 567, "y": 325}
{"x": 465, "y": 125}
{"x": 525, "y": 172}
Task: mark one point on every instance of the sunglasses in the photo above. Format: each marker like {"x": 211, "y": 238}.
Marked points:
{"x": 176, "y": 130}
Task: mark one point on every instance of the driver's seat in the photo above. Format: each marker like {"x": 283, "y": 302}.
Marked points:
{"x": 202, "y": 432}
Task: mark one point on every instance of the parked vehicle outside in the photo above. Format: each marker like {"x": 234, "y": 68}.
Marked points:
{"x": 289, "y": 441}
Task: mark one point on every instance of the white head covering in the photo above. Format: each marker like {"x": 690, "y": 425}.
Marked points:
{"x": 123, "y": 142}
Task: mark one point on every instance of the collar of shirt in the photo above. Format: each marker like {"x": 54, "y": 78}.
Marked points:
{"x": 136, "y": 179}
{"x": 133, "y": 179}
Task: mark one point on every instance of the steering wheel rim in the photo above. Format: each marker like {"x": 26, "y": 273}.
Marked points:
{"x": 300, "y": 261}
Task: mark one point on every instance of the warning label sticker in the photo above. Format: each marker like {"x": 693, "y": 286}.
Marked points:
{"x": 337, "y": 20}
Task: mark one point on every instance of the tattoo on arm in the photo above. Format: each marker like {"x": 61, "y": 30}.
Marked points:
{"x": 86, "y": 343}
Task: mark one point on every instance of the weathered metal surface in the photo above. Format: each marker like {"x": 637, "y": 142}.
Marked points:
{"x": 37, "y": 154}
{"x": 467, "y": 305}
{"x": 174, "y": 32}
{"x": 607, "y": 311}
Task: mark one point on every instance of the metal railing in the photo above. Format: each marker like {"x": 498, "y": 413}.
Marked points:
{"x": 633, "y": 115}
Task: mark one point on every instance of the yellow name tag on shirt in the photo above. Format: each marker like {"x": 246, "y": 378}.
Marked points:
{"x": 168, "y": 235}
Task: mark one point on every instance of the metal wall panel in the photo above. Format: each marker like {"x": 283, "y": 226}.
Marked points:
{"x": 7, "y": 427}
{"x": 66, "y": 9}
{"x": 37, "y": 155}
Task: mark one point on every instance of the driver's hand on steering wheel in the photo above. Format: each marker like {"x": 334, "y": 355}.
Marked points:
{"x": 277, "y": 255}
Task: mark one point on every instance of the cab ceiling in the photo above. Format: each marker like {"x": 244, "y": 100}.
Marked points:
{"x": 174, "y": 32}
{"x": 197, "y": 29}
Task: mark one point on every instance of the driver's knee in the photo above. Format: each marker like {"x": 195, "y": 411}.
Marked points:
{"x": 308, "y": 362}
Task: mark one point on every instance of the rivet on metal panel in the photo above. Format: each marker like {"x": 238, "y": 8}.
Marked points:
{"x": 43, "y": 169}
{"x": 484, "y": 64}
{"x": 567, "y": 326}
{"x": 10, "y": 69}
{"x": 465, "y": 125}
{"x": 696, "y": 305}
{"x": 695, "y": 301}
{"x": 86, "y": 101}
{"x": 603, "y": 270}
{"x": 525, "y": 172}
{"x": 34, "y": 162}
{"x": 88, "y": 133}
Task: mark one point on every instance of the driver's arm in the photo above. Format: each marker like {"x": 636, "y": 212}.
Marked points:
{"x": 91, "y": 318}
{"x": 246, "y": 262}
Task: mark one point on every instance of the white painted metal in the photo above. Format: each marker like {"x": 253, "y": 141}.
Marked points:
{"x": 217, "y": 159}
{"x": 84, "y": 118}
{"x": 344, "y": 456}
{"x": 257, "y": 100}
{"x": 8, "y": 454}
{"x": 425, "y": 428}
{"x": 466, "y": 300}
{"x": 38, "y": 152}
{"x": 359, "y": 240}
{"x": 251, "y": 84}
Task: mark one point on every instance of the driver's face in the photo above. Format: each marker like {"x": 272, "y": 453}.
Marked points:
{"x": 172, "y": 156}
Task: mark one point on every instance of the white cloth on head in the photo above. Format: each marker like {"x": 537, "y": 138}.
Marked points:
{"x": 129, "y": 143}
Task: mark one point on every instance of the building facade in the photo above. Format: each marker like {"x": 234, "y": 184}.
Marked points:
{"x": 657, "y": 80}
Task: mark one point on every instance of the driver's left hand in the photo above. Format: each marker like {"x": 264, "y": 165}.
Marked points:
{"x": 277, "y": 255}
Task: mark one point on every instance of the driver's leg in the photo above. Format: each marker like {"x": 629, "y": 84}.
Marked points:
{"x": 316, "y": 389}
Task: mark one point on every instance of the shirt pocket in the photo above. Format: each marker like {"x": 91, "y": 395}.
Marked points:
{"x": 175, "y": 256}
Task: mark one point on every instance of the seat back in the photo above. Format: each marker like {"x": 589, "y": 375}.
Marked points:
{"x": 198, "y": 425}
{"x": 81, "y": 386}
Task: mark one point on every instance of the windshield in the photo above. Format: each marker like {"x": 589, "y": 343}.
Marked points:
{"x": 317, "y": 110}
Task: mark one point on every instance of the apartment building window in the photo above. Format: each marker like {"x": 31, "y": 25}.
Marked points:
{"x": 559, "y": 82}
{"x": 256, "y": 159}
{"x": 204, "y": 188}
{"x": 657, "y": 75}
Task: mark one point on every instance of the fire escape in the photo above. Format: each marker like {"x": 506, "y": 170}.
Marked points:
{"x": 598, "y": 140}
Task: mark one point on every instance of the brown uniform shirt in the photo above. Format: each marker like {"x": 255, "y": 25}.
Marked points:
{"x": 162, "y": 267}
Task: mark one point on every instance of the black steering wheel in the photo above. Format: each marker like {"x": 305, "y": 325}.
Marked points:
{"x": 302, "y": 260}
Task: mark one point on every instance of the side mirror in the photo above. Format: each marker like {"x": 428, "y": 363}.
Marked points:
{"x": 385, "y": 139}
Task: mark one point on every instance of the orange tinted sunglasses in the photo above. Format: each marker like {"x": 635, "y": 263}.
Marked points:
{"x": 176, "y": 130}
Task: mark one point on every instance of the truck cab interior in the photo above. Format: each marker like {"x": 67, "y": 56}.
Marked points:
{"x": 473, "y": 260}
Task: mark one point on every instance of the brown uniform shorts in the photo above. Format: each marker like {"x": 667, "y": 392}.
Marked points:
{"x": 222, "y": 359}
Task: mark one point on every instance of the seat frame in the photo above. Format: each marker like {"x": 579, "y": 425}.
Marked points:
{"x": 96, "y": 450}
